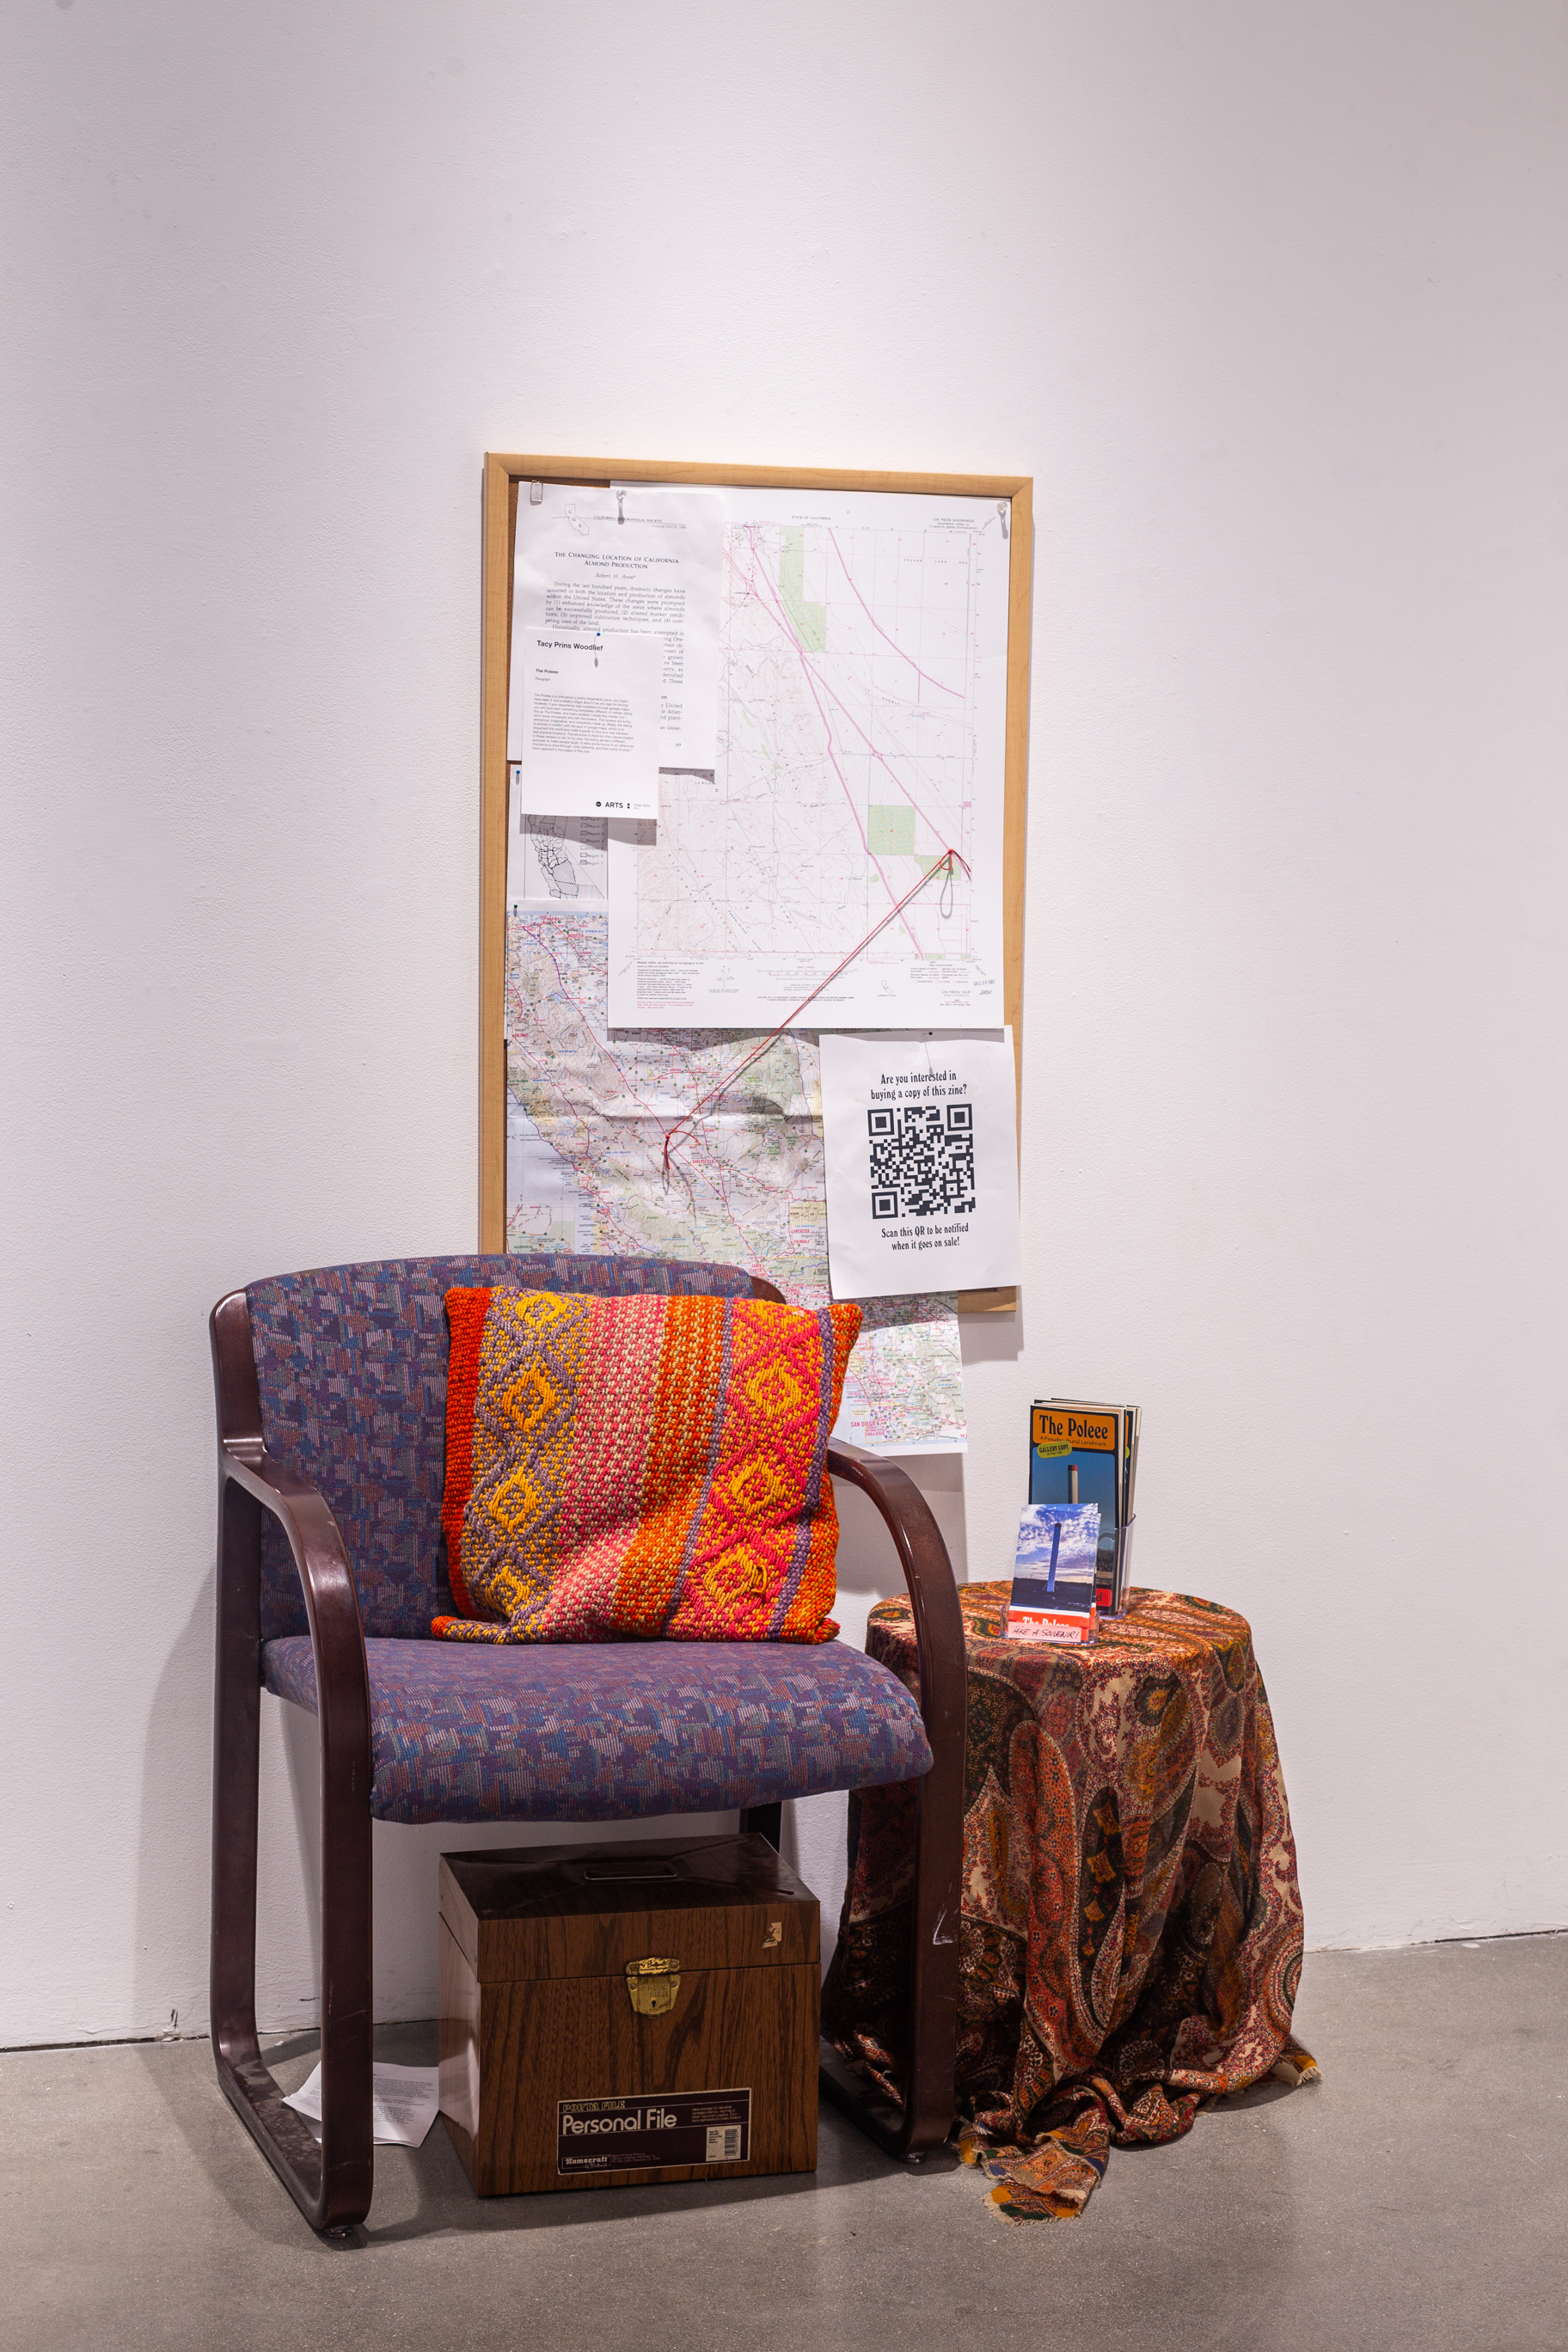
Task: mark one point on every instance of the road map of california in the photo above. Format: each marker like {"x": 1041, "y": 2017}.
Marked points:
{"x": 587, "y": 1114}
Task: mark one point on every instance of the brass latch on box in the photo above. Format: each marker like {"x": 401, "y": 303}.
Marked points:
{"x": 654, "y": 1986}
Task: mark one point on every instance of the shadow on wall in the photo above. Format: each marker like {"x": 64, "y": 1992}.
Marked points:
{"x": 174, "y": 1860}
{"x": 993, "y": 1338}
{"x": 869, "y": 1568}
{"x": 169, "y": 1976}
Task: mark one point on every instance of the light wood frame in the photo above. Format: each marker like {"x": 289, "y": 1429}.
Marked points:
{"x": 502, "y": 475}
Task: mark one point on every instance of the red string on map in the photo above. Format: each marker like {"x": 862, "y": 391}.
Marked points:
{"x": 944, "y": 864}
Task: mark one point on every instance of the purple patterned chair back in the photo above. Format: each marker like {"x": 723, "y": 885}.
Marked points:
{"x": 352, "y": 1365}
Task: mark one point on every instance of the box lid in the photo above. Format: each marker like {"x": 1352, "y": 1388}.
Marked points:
{"x": 587, "y": 1910}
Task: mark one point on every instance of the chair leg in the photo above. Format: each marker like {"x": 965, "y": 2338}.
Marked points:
{"x": 925, "y": 2119}
{"x": 331, "y": 2183}
{"x": 766, "y": 1820}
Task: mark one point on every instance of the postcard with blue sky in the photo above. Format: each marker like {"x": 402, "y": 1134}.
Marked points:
{"x": 1055, "y": 1565}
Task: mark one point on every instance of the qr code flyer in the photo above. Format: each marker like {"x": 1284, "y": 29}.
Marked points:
{"x": 920, "y": 1136}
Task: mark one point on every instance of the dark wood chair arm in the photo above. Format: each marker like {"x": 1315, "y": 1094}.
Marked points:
{"x": 331, "y": 2183}
{"x": 331, "y": 1604}
{"x": 934, "y": 1594}
{"x": 321, "y": 1561}
{"x": 925, "y": 2117}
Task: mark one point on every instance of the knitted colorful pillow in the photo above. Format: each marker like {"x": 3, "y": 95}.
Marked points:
{"x": 633, "y": 1467}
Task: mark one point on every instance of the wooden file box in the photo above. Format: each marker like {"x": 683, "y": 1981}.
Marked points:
{"x": 627, "y": 2013}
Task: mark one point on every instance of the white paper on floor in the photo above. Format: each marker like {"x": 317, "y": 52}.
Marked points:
{"x": 403, "y": 2102}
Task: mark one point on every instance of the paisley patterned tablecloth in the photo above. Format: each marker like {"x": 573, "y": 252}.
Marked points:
{"x": 1132, "y": 1932}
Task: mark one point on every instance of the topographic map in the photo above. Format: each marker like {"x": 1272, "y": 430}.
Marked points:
{"x": 862, "y": 733}
{"x": 588, "y": 1110}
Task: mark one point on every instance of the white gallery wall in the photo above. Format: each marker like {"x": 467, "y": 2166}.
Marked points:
{"x": 1269, "y": 301}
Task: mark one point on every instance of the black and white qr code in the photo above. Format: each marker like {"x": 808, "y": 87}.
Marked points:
{"x": 923, "y": 1160}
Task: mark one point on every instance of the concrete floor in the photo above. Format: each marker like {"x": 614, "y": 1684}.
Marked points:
{"x": 1417, "y": 2197}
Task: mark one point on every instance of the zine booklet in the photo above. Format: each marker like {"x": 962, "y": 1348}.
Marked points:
{"x": 1077, "y": 1455}
{"x": 1054, "y": 1574}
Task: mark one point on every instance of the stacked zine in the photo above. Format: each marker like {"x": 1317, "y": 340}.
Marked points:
{"x": 1081, "y": 1453}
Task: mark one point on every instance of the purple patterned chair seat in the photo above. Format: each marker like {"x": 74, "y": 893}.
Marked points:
{"x": 615, "y": 1731}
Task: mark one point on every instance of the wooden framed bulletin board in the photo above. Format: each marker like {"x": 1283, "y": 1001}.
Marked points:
{"x": 502, "y": 475}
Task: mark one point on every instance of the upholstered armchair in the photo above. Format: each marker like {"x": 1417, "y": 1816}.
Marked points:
{"x": 331, "y": 1390}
